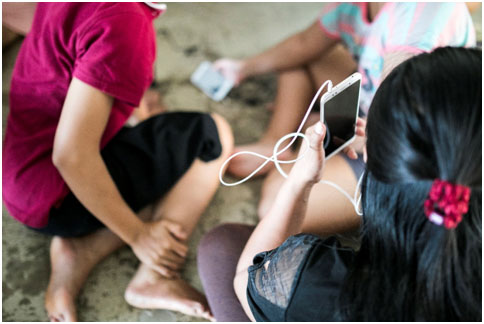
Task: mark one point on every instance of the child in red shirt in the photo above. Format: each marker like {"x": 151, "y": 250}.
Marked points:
{"x": 71, "y": 169}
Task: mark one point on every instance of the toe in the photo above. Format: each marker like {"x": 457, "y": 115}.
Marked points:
{"x": 53, "y": 319}
{"x": 70, "y": 317}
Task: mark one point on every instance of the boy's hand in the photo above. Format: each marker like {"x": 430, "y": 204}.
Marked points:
{"x": 161, "y": 246}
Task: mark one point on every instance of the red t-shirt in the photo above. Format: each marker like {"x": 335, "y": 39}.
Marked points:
{"x": 110, "y": 46}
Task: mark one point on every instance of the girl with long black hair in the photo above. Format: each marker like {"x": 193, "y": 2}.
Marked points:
{"x": 421, "y": 234}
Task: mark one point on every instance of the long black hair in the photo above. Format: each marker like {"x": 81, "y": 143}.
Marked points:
{"x": 424, "y": 124}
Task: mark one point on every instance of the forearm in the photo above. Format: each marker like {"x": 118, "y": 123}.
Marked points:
{"x": 286, "y": 216}
{"x": 87, "y": 176}
{"x": 283, "y": 56}
{"x": 284, "y": 219}
{"x": 293, "y": 52}
{"x": 77, "y": 156}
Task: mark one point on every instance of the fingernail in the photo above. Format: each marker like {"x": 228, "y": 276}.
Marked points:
{"x": 318, "y": 128}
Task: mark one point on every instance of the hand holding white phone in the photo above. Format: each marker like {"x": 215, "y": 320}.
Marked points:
{"x": 339, "y": 112}
{"x": 230, "y": 69}
{"x": 211, "y": 82}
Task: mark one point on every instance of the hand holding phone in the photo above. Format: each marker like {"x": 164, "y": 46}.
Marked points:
{"x": 230, "y": 69}
{"x": 339, "y": 112}
{"x": 211, "y": 82}
{"x": 359, "y": 144}
{"x": 309, "y": 169}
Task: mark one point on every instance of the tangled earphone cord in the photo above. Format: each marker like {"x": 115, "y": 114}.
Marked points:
{"x": 354, "y": 201}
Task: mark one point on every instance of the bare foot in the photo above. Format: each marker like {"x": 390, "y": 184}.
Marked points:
{"x": 60, "y": 305}
{"x": 71, "y": 261}
{"x": 66, "y": 278}
{"x": 148, "y": 289}
{"x": 244, "y": 164}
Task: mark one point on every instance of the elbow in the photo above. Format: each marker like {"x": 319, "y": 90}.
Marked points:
{"x": 65, "y": 159}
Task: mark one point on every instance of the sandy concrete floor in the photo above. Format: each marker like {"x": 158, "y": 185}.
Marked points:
{"x": 187, "y": 34}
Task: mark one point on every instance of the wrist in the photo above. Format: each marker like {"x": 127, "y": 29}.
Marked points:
{"x": 130, "y": 233}
{"x": 300, "y": 177}
{"x": 251, "y": 67}
{"x": 245, "y": 69}
{"x": 299, "y": 183}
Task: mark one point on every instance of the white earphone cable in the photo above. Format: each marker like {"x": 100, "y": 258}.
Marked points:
{"x": 354, "y": 201}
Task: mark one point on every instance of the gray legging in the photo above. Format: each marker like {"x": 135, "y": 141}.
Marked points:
{"x": 218, "y": 254}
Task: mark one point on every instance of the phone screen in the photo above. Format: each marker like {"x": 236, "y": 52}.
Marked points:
{"x": 212, "y": 81}
{"x": 340, "y": 117}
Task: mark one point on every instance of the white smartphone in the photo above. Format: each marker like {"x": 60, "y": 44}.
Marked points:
{"x": 211, "y": 82}
{"x": 339, "y": 112}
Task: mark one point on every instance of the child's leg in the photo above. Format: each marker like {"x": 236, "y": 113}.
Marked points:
{"x": 184, "y": 204}
{"x": 328, "y": 211}
{"x": 295, "y": 90}
{"x": 72, "y": 259}
{"x": 218, "y": 254}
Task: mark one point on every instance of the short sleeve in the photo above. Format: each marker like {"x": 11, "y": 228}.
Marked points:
{"x": 329, "y": 19}
{"x": 116, "y": 55}
{"x": 421, "y": 27}
{"x": 277, "y": 276}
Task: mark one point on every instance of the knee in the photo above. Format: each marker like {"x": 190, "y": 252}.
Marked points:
{"x": 216, "y": 238}
{"x": 225, "y": 134}
{"x": 223, "y": 241}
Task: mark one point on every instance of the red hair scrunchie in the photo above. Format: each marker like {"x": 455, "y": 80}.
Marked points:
{"x": 446, "y": 203}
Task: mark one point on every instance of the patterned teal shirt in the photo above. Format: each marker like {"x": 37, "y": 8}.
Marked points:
{"x": 398, "y": 27}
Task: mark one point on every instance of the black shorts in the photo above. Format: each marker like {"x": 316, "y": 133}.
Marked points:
{"x": 145, "y": 162}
